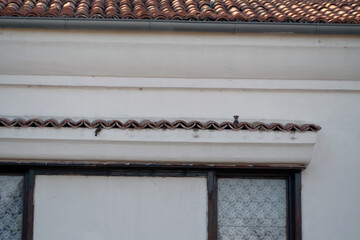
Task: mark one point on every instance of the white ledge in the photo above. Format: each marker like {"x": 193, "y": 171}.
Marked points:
{"x": 167, "y": 146}
{"x": 178, "y": 83}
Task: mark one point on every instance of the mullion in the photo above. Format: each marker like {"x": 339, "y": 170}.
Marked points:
{"x": 28, "y": 205}
{"x": 212, "y": 206}
{"x": 297, "y": 206}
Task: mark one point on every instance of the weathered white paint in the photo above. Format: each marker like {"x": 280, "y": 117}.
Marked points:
{"x": 180, "y": 55}
{"x": 330, "y": 191}
{"x": 244, "y": 147}
{"x": 132, "y": 208}
{"x": 211, "y": 104}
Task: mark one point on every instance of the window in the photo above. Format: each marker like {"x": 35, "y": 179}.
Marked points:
{"x": 150, "y": 202}
{"x": 254, "y": 204}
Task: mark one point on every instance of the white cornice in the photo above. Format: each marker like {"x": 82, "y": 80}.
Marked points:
{"x": 202, "y": 146}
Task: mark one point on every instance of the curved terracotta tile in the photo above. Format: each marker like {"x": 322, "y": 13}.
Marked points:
{"x": 51, "y": 123}
{"x": 310, "y": 11}
{"x": 3, "y": 4}
{"x": 163, "y": 124}
{"x": 159, "y": 16}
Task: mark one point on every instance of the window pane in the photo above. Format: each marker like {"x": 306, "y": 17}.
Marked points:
{"x": 129, "y": 208}
{"x": 11, "y": 201}
{"x": 253, "y": 209}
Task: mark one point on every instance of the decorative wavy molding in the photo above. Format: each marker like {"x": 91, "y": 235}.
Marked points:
{"x": 163, "y": 124}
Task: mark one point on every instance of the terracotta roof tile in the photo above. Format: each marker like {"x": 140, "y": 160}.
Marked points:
{"x": 163, "y": 124}
{"x": 310, "y": 11}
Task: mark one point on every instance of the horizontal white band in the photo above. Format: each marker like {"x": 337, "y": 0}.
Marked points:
{"x": 203, "y": 146}
{"x": 173, "y": 83}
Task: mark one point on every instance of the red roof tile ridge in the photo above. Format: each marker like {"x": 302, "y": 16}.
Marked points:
{"x": 296, "y": 11}
{"x": 162, "y": 124}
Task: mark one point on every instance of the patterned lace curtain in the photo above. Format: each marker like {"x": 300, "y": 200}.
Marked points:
{"x": 11, "y": 201}
{"x": 252, "y": 209}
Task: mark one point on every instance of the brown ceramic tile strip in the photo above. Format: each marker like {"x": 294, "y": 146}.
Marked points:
{"x": 298, "y": 11}
{"x": 163, "y": 124}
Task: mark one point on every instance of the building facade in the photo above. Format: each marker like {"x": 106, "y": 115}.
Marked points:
{"x": 124, "y": 127}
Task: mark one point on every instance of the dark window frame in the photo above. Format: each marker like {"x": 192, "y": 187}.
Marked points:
{"x": 30, "y": 170}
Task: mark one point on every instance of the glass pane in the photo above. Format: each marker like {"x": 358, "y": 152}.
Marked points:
{"x": 11, "y": 201}
{"x": 252, "y": 209}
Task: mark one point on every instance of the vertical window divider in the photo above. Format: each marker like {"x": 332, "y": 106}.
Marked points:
{"x": 297, "y": 205}
{"x": 212, "y": 206}
{"x": 294, "y": 200}
{"x": 290, "y": 206}
{"x": 28, "y": 205}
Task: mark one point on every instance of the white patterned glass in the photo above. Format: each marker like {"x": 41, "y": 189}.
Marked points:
{"x": 11, "y": 201}
{"x": 252, "y": 209}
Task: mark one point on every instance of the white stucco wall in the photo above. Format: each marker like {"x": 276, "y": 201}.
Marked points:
{"x": 316, "y": 80}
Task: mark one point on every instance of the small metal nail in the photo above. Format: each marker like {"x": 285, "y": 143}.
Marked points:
{"x": 236, "y": 117}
